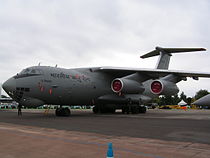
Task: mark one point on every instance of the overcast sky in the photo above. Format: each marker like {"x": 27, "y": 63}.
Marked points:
{"x": 82, "y": 33}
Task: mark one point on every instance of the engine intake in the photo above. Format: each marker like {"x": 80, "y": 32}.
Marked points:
{"x": 117, "y": 86}
{"x": 163, "y": 87}
{"x": 156, "y": 87}
{"x": 126, "y": 86}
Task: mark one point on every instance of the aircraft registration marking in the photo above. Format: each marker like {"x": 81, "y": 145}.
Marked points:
{"x": 69, "y": 76}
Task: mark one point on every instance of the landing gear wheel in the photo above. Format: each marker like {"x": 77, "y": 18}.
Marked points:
{"x": 95, "y": 109}
{"x": 66, "y": 112}
{"x": 62, "y": 112}
{"x": 142, "y": 109}
{"x": 111, "y": 110}
{"x": 58, "y": 112}
{"x": 134, "y": 109}
{"x": 98, "y": 109}
{"x": 123, "y": 110}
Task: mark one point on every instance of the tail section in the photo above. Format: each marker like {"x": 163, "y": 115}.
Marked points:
{"x": 166, "y": 53}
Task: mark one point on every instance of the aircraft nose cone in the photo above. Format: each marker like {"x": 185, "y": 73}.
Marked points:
{"x": 9, "y": 85}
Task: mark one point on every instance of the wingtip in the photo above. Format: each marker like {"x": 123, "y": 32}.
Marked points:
{"x": 142, "y": 56}
{"x": 203, "y": 49}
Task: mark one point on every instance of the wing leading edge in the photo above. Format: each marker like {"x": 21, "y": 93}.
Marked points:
{"x": 154, "y": 73}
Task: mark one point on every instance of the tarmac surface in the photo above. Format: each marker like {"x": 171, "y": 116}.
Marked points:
{"x": 156, "y": 134}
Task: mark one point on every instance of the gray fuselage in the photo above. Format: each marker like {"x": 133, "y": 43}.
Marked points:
{"x": 40, "y": 85}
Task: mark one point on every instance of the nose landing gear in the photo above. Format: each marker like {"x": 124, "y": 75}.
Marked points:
{"x": 63, "y": 112}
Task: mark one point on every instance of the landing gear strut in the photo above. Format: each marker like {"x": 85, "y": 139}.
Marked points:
{"x": 62, "y": 112}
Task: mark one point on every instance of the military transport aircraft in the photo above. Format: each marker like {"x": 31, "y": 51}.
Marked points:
{"x": 4, "y": 99}
{"x": 107, "y": 88}
{"x": 204, "y": 101}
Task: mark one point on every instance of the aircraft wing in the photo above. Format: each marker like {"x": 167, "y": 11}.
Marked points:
{"x": 153, "y": 73}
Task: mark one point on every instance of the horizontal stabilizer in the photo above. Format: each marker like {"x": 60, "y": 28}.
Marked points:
{"x": 158, "y": 50}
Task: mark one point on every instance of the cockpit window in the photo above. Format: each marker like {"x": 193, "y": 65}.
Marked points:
{"x": 30, "y": 71}
{"x": 33, "y": 71}
{"x": 25, "y": 71}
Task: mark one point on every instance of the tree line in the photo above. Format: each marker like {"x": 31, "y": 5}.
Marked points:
{"x": 174, "y": 100}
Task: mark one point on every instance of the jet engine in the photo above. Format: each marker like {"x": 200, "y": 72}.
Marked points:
{"x": 126, "y": 86}
{"x": 163, "y": 87}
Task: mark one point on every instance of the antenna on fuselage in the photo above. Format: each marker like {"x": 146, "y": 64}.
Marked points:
{"x": 56, "y": 65}
{"x": 39, "y": 64}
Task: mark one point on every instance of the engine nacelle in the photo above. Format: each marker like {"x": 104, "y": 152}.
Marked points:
{"x": 163, "y": 87}
{"x": 126, "y": 86}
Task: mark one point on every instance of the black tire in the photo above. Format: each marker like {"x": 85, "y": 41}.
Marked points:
{"x": 95, "y": 109}
{"x": 66, "y": 112}
{"x": 63, "y": 112}
{"x": 142, "y": 109}
{"x": 134, "y": 109}
{"x": 104, "y": 110}
{"x": 123, "y": 110}
{"x": 112, "y": 110}
{"x": 58, "y": 112}
{"x": 127, "y": 109}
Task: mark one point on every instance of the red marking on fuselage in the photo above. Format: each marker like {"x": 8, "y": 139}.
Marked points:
{"x": 50, "y": 90}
